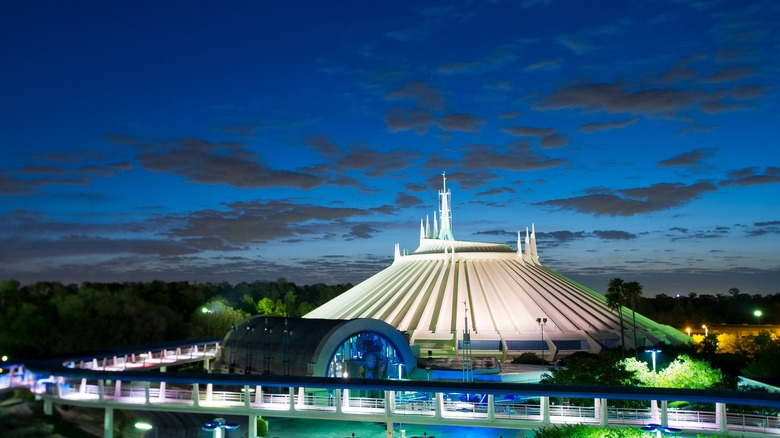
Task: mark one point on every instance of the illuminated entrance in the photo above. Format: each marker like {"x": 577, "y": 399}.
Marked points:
{"x": 366, "y": 355}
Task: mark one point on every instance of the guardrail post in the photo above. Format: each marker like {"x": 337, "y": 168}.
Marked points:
{"x": 491, "y": 408}
{"x": 720, "y": 417}
{"x": 544, "y": 409}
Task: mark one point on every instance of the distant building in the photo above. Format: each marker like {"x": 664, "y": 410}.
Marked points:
{"x": 502, "y": 301}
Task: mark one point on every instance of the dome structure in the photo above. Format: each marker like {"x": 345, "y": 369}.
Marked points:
{"x": 500, "y": 300}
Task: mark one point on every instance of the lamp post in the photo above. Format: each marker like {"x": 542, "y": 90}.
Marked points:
{"x": 706, "y": 330}
{"x": 208, "y": 312}
{"x": 218, "y": 425}
{"x": 758, "y": 314}
{"x": 142, "y": 425}
{"x": 541, "y": 322}
{"x": 653, "y": 352}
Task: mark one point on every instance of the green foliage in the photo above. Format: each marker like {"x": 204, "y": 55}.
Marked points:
{"x": 763, "y": 351}
{"x": 262, "y": 427}
{"x": 589, "y": 369}
{"x": 528, "y": 358}
{"x": 585, "y": 431}
{"x": 683, "y": 372}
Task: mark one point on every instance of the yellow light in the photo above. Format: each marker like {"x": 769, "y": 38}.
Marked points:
{"x": 143, "y": 426}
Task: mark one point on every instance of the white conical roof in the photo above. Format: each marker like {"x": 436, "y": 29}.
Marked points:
{"x": 500, "y": 293}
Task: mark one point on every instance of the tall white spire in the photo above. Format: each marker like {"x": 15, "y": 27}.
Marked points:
{"x": 445, "y": 233}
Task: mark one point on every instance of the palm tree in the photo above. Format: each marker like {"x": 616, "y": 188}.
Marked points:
{"x": 632, "y": 292}
{"x": 615, "y": 299}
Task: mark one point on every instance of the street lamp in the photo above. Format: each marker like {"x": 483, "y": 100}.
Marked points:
{"x": 141, "y": 425}
{"x": 217, "y": 425}
{"x": 758, "y": 314}
{"x": 688, "y": 329}
{"x": 706, "y": 330}
{"x": 541, "y": 322}
{"x": 208, "y": 312}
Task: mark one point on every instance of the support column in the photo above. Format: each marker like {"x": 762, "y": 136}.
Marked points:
{"x": 206, "y": 363}
{"x": 338, "y": 400}
{"x": 117, "y": 389}
{"x": 48, "y": 407}
{"x": 345, "y": 397}
{"x": 196, "y": 395}
{"x": 301, "y": 396}
{"x": 389, "y": 429}
{"x": 258, "y": 394}
{"x": 388, "y": 398}
{"x": 439, "y": 409}
{"x": 654, "y": 415}
{"x": 291, "y": 391}
{"x": 146, "y": 392}
{"x": 108, "y": 423}
{"x": 83, "y": 386}
{"x": 544, "y": 409}
{"x": 252, "y": 426}
{"x": 161, "y": 395}
{"x": 209, "y": 392}
{"x": 665, "y": 413}
{"x": 720, "y": 417}
{"x": 603, "y": 411}
{"x": 247, "y": 400}
{"x": 101, "y": 383}
{"x": 491, "y": 408}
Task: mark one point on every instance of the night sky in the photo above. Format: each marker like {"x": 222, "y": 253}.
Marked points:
{"x": 242, "y": 141}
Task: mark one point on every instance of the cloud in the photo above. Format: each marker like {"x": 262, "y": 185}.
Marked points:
{"x": 590, "y": 128}
{"x": 614, "y": 235}
{"x": 752, "y": 176}
{"x": 730, "y": 74}
{"x": 553, "y": 141}
{"x": 232, "y": 164}
{"x": 528, "y": 131}
{"x": 420, "y": 93}
{"x": 498, "y": 58}
{"x": 375, "y": 163}
{"x": 629, "y": 202}
{"x": 763, "y": 228}
{"x": 688, "y": 159}
{"x": 418, "y": 120}
{"x": 616, "y": 98}
{"x": 403, "y": 200}
{"x": 515, "y": 156}
{"x": 543, "y": 65}
{"x": 749, "y": 92}
{"x": 496, "y": 191}
{"x": 460, "y": 122}
{"x": 322, "y": 145}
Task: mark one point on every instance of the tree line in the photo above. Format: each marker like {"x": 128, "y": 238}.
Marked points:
{"x": 50, "y": 318}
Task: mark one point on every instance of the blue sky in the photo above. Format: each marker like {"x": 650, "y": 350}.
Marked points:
{"x": 257, "y": 140}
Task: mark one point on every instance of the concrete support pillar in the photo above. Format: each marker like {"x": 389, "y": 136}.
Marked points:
{"x": 48, "y": 407}
{"x": 206, "y": 364}
{"x": 209, "y": 392}
{"x": 252, "y": 426}
{"x": 654, "y": 415}
{"x": 491, "y": 408}
{"x": 301, "y": 396}
{"x": 291, "y": 391}
{"x": 117, "y": 389}
{"x": 439, "y": 408}
{"x": 94, "y": 364}
{"x": 196, "y": 395}
{"x": 161, "y": 396}
{"x": 345, "y": 397}
{"x": 258, "y": 394}
{"x": 544, "y": 409}
{"x": 247, "y": 397}
{"x": 108, "y": 423}
{"x": 338, "y": 400}
{"x": 388, "y": 399}
{"x": 389, "y": 429}
{"x": 664, "y": 413}
{"x": 720, "y": 417}
{"x": 603, "y": 412}
{"x": 146, "y": 392}
{"x": 101, "y": 384}
{"x": 83, "y": 386}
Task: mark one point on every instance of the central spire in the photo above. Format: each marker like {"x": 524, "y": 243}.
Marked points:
{"x": 445, "y": 233}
